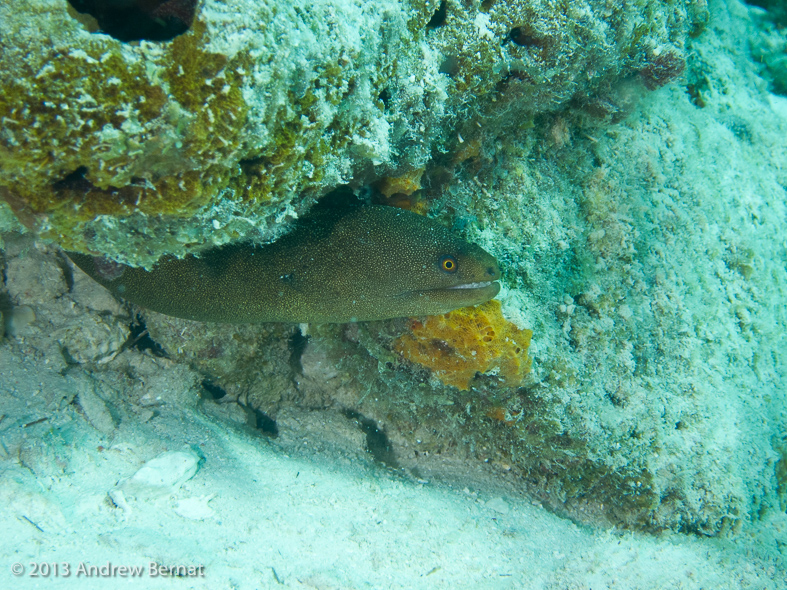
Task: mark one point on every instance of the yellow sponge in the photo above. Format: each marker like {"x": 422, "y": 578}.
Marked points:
{"x": 461, "y": 343}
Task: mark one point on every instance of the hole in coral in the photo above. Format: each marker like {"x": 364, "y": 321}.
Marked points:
{"x": 439, "y": 17}
{"x": 486, "y": 5}
{"x": 266, "y": 424}
{"x": 377, "y": 442}
{"x": 385, "y": 97}
{"x": 297, "y": 344}
{"x": 252, "y": 166}
{"x": 74, "y": 181}
{"x": 140, "y": 339}
{"x": 525, "y": 36}
{"x": 215, "y": 391}
{"x": 342, "y": 197}
{"x": 137, "y": 20}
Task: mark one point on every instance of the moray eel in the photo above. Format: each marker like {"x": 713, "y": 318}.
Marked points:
{"x": 358, "y": 264}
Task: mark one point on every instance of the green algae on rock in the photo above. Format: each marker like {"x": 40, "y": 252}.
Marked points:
{"x": 132, "y": 150}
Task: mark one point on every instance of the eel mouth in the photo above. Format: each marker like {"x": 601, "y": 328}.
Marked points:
{"x": 470, "y": 291}
{"x": 473, "y": 293}
{"x": 480, "y": 285}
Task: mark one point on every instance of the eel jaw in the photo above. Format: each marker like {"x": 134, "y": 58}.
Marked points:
{"x": 472, "y": 293}
{"x": 479, "y": 285}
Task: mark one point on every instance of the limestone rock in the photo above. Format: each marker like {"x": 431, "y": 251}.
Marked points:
{"x": 231, "y": 128}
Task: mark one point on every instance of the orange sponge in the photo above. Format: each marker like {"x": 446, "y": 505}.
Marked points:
{"x": 406, "y": 184}
{"x": 461, "y": 343}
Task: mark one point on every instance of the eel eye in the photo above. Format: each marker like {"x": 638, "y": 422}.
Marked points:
{"x": 448, "y": 264}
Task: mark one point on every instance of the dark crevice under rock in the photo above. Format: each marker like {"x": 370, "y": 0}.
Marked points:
{"x": 140, "y": 339}
{"x": 137, "y": 20}
{"x": 377, "y": 442}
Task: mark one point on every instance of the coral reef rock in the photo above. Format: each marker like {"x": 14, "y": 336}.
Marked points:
{"x": 137, "y": 144}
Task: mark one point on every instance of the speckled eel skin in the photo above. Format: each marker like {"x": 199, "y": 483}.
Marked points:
{"x": 355, "y": 264}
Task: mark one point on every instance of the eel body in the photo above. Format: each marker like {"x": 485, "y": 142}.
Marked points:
{"x": 359, "y": 264}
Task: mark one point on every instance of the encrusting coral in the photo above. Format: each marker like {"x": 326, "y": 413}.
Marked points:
{"x": 459, "y": 344}
{"x": 133, "y": 149}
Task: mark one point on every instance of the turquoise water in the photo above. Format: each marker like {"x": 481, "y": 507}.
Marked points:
{"x": 625, "y": 165}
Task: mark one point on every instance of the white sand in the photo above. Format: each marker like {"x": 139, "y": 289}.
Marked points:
{"x": 256, "y": 518}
